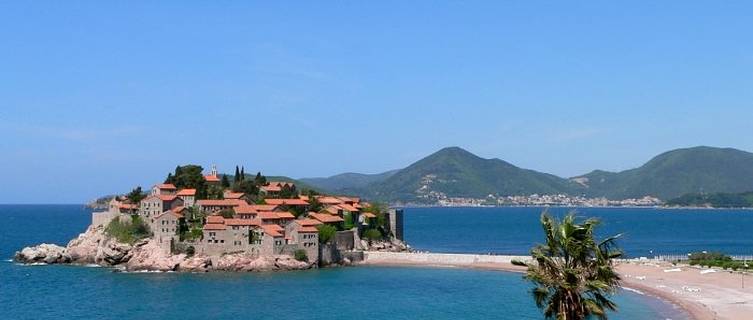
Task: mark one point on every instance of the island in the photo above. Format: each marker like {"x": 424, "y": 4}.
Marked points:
{"x": 197, "y": 222}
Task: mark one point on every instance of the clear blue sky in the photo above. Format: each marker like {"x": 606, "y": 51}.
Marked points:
{"x": 97, "y": 98}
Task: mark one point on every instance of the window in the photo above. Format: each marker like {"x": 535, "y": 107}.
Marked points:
{"x": 222, "y": 241}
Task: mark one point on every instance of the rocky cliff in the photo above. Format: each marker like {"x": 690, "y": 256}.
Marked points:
{"x": 95, "y": 247}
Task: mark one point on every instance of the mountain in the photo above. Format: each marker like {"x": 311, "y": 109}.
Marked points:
{"x": 455, "y": 172}
{"x": 345, "y": 182}
{"x": 675, "y": 173}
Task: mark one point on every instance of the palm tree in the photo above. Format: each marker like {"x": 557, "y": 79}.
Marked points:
{"x": 573, "y": 273}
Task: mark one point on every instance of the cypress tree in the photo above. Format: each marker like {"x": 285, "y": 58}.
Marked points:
{"x": 237, "y": 178}
{"x": 225, "y": 181}
{"x": 243, "y": 174}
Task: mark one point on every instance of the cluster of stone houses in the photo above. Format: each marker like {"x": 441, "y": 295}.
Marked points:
{"x": 258, "y": 229}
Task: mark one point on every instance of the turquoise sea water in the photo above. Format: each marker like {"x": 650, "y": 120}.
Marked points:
{"x": 52, "y": 292}
{"x": 646, "y": 232}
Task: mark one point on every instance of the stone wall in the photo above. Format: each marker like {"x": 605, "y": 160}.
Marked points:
{"x": 345, "y": 240}
{"x": 395, "y": 219}
{"x": 103, "y": 218}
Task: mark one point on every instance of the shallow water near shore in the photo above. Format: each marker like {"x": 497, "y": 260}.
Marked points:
{"x": 77, "y": 292}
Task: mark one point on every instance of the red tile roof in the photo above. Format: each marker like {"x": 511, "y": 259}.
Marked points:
{"x": 167, "y": 197}
{"x": 179, "y": 209}
{"x": 347, "y": 207}
{"x": 211, "y": 226}
{"x": 285, "y": 215}
{"x": 287, "y": 202}
{"x": 273, "y": 230}
{"x": 271, "y": 188}
{"x": 307, "y": 230}
{"x": 350, "y": 200}
{"x": 212, "y": 178}
{"x": 215, "y": 220}
{"x": 329, "y": 200}
{"x": 332, "y": 210}
{"x": 219, "y": 203}
{"x": 264, "y": 207}
{"x": 242, "y": 222}
{"x": 308, "y": 222}
{"x": 166, "y": 186}
{"x": 369, "y": 215}
{"x": 187, "y": 192}
{"x": 268, "y": 215}
{"x": 177, "y": 215}
{"x": 127, "y": 206}
{"x": 234, "y": 195}
{"x": 280, "y": 183}
{"x": 326, "y": 218}
{"x": 245, "y": 209}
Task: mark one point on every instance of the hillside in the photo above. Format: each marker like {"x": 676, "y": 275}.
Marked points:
{"x": 346, "y": 182}
{"x": 456, "y": 172}
{"x": 714, "y": 200}
{"x": 675, "y": 173}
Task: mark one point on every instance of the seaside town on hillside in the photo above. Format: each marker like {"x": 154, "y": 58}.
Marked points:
{"x": 538, "y": 200}
{"x": 212, "y": 215}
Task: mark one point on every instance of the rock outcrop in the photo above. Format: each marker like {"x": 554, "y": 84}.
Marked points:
{"x": 247, "y": 262}
{"x": 43, "y": 253}
{"x": 195, "y": 264}
{"x": 393, "y": 245}
{"x": 148, "y": 256}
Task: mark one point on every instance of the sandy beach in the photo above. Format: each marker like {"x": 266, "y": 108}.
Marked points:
{"x": 708, "y": 295}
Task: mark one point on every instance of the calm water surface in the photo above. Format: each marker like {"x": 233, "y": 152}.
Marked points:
{"x": 53, "y": 292}
{"x": 645, "y": 231}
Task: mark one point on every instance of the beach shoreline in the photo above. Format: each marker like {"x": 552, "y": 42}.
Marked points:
{"x": 702, "y": 296}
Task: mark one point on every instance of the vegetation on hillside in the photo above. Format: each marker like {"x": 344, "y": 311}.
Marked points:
{"x": 189, "y": 177}
{"x": 458, "y": 173}
{"x": 573, "y": 273}
{"x": 714, "y": 200}
{"x": 678, "y": 172}
{"x": 128, "y": 231}
{"x": 455, "y": 172}
{"x": 326, "y": 233}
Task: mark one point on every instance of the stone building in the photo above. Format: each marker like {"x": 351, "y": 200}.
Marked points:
{"x": 188, "y": 196}
{"x": 155, "y": 205}
{"x": 305, "y": 235}
{"x": 166, "y": 189}
{"x": 165, "y": 228}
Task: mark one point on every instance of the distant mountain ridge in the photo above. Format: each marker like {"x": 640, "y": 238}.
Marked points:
{"x": 455, "y": 172}
{"x": 675, "y": 173}
{"x": 347, "y": 181}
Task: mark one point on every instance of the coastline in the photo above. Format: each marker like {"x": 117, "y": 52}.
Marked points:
{"x": 570, "y": 207}
{"x": 701, "y": 296}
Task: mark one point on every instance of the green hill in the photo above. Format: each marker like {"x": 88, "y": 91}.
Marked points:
{"x": 714, "y": 200}
{"x": 347, "y": 182}
{"x": 458, "y": 173}
{"x": 675, "y": 173}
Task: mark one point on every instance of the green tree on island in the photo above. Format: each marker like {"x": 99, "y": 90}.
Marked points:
{"x": 136, "y": 195}
{"x": 573, "y": 273}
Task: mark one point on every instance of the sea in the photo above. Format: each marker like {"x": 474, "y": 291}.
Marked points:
{"x": 77, "y": 292}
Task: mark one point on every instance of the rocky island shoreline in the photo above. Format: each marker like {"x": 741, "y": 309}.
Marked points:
{"x": 95, "y": 247}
